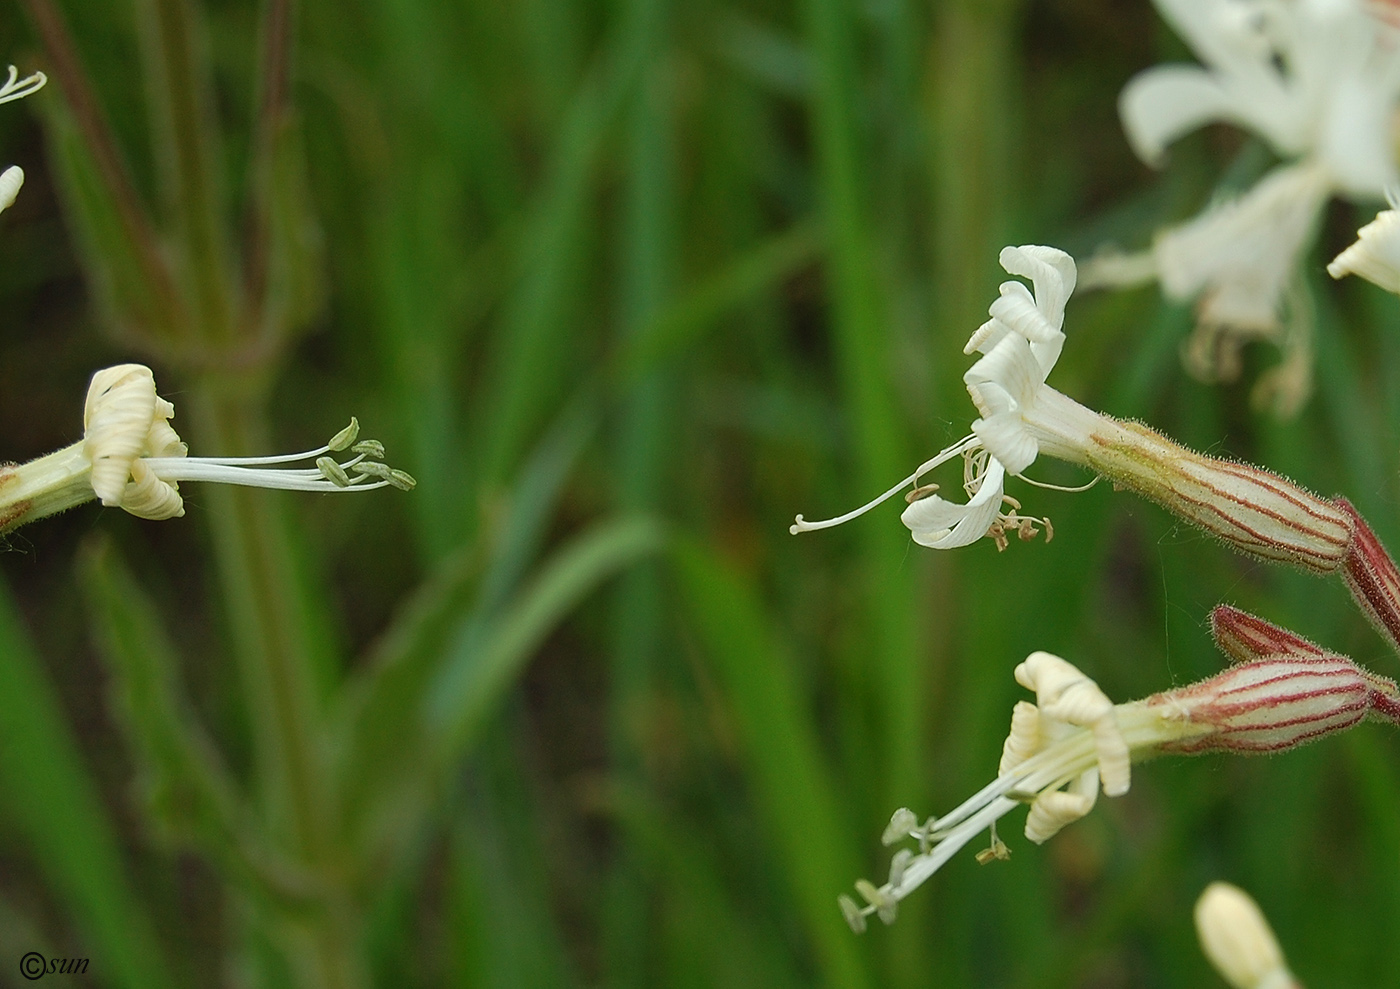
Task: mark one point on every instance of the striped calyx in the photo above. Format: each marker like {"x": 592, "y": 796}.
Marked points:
{"x": 1254, "y": 510}
{"x": 1281, "y": 692}
{"x": 1372, "y": 577}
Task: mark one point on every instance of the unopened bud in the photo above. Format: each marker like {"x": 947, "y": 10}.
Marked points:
{"x": 1372, "y": 577}
{"x": 1238, "y": 941}
{"x": 1244, "y": 637}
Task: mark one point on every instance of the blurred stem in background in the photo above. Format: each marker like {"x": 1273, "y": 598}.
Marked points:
{"x": 645, "y": 429}
{"x": 708, "y": 262}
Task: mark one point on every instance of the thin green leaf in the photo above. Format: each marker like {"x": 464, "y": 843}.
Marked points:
{"x": 47, "y": 792}
{"x": 782, "y": 756}
{"x": 188, "y": 790}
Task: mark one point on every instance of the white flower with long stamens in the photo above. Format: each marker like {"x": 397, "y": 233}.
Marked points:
{"x": 1072, "y": 740}
{"x": 131, "y": 458}
{"x": 1238, "y": 940}
{"x": 14, "y": 88}
{"x": 1319, "y": 80}
{"x": 1021, "y": 343}
{"x": 1251, "y": 509}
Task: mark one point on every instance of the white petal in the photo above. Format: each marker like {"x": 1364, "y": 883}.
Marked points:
{"x": 941, "y": 524}
{"x": 1355, "y": 144}
{"x": 1012, "y": 366}
{"x": 1163, "y": 103}
{"x": 1244, "y": 251}
{"x": 117, "y": 417}
{"x": 1050, "y": 270}
{"x": 986, "y": 336}
{"x": 1008, "y": 440}
{"x": 1054, "y": 809}
{"x": 1017, "y": 309}
{"x": 1376, "y": 254}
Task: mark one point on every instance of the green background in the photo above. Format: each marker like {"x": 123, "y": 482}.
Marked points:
{"x": 626, "y": 285}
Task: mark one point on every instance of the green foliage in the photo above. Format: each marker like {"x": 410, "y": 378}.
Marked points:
{"x": 626, "y": 286}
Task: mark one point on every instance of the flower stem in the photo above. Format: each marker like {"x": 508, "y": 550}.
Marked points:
{"x": 46, "y": 486}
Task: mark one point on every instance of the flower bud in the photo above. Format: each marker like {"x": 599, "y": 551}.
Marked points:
{"x": 1237, "y": 940}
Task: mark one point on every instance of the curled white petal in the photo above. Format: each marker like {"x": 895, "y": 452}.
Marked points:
{"x": 1050, "y": 270}
{"x": 1063, "y": 693}
{"x": 1376, "y": 254}
{"x": 1024, "y": 740}
{"x": 1005, "y": 385}
{"x": 940, "y": 524}
{"x": 117, "y": 418}
{"x": 1053, "y": 810}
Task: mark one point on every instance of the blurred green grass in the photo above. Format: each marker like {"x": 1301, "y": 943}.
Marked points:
{"x": 733, "y": 251}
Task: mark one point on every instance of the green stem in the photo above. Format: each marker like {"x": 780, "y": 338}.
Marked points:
{"x": 261, "y": 586}
{"x": 272, "y": 117}
{"x": 187, "y": 147}
{"x": 46, "y": 486}
{"x": 102, "y": 146}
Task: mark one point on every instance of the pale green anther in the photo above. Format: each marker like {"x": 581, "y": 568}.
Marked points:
{"x": 852, "y": 913}
{"x": 402, "y": 479}
{"x": 345, "y": 437}
{"x": 369, "y": 448}
{"x": 901, "y": 825}
{"x": 898, "y": 864}
{"x": 373, "y": 469}
{"x": 886, "y": 906}
{"x": 333, "y": 472}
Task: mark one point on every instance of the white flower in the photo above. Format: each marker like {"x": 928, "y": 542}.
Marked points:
{"x": 1020, "y": 344}
{"x": 1238, "y": 940}
{"x": 1376, "y": 254}
{"x": 1073, "y": 740}
{"x": 131, "y": 458}
{"x": 15, "y": 88}
{"x": 1319, "y": 81}
{"x": 1316, "y": 79}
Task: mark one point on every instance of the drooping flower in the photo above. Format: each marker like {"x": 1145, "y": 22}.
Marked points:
{"x": 14, "y": 88}
{"x": 1319, "y": 81}
{"x": 1020, "y": 343}
{"x": 131, "y": 458}
{"x": 1073, "y": 741}
{"x": 1253, "y": 510}
{"x": 1238, "y": 940}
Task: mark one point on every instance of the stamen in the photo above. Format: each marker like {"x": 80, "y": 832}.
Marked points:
{"x": 968, "y": 442}
{"x": 1059, "y": 487}
{"x": 345, "y": 437}
{"x": 333, "y": 472}
{"x": 328, "y": 474}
